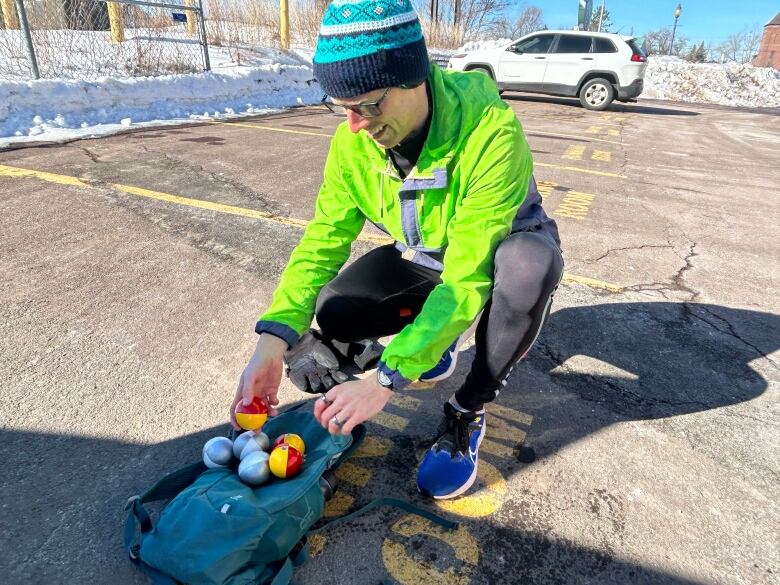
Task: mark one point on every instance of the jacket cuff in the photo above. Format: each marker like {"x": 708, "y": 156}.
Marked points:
{"x": 279, "y": 330}
{"x": 389, "y": 378}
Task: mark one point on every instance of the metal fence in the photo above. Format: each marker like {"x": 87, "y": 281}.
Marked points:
{"x": 82, "y": 39}
{"x": 85, "y": 39}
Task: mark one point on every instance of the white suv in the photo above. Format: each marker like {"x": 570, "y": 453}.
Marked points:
{"x": 596, "y": 67}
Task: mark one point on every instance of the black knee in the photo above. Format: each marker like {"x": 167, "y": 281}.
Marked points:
{"x": 528, "y": 267}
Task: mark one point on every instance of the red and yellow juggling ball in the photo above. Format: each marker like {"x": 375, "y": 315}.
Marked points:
{"x": 252, "y": 416}
{"x": 290, "y": 439}
{"x": 285, "y": 461}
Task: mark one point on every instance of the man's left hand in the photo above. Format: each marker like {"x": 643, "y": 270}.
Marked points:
{"x": 350, "y": 404}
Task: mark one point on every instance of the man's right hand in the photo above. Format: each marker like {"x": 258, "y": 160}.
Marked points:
{"x": 262, "y": 375}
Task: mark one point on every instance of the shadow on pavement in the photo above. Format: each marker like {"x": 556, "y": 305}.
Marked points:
{"x": 64, "y": 495}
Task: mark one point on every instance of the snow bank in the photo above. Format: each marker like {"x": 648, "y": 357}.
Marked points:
{"x": 57, "y": 109}
{"x": 269, "y": 80}
{"x": 729, "y": 84}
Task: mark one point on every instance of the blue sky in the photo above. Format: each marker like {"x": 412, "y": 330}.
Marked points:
{"x": 701, "y": 20}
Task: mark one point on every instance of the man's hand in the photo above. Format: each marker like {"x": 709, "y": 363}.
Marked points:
{"x": 262, "y": 375}
{"x": 351, "y": 403}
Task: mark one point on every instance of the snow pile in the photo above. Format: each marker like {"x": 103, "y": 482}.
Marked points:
{"x": 729, "y": 84}
{"x": 472, "y": 46}
{"x": 254, "y": 79}
{"x": 57, "y": 109}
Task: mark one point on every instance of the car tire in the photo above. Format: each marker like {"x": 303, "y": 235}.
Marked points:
{"x": 484, "y": 70}
{"x": 596, "y": 94}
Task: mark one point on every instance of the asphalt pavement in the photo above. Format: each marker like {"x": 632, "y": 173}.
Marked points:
{"x": 637, "y": 443}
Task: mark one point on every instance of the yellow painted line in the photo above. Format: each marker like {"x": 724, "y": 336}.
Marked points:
{"x": 575, "y": 205}
{"x": 272, "y": 129}
{"x": 580, "y": 170}
{"x": 593, "y": 130}
{"x": 316, "y": 544}
{"x": 593, "y": 283}
{"x": 509, "y": 414}
{"x": 409, "y": 571}
{"x": 602, "y": 155}
{"x": 574, "y": 136}
{"x": 338, "y": 504}
{"x": 545, "y": 188}
{"x": 574, "y": 152}
{"x": 390, "y": 421}
{"x": 354, "y": 474}
{"x": 21, "y": 173}
{"x": 499, "y": 449}
{"x": 498, "y": 428}
{"x": 482, "y": 502}
{"x": 405, "y": 402}
{"x": 612, "y": 132}
{"x": 373, "y": 447}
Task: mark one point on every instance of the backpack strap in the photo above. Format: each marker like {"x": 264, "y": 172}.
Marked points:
{"x": 403, "y": 505}
{"x": 165, "y": 489}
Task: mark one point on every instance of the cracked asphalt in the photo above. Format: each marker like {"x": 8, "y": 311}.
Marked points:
{"x": 637, "y": 443}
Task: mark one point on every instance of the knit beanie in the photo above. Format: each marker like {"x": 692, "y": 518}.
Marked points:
{"x": 365, "y": 45}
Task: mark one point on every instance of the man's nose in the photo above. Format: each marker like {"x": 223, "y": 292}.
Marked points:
{"x": 356, "y": 121}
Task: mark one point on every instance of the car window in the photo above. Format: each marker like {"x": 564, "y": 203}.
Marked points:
{"x": 537, "y": 44}
{"x": 635, "y": 49}
{"x": 601, "y": 45}
{"x": 573, "y": 44}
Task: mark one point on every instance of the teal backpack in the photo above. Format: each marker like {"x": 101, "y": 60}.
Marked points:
{"x": 217, "y": 530}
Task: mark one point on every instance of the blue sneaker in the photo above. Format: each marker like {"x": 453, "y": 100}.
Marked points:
{"x": 445, "y": 367}
{"x": 449, "y": 468}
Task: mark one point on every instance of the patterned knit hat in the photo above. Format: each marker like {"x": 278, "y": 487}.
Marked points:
{"x": 369, "y": 44}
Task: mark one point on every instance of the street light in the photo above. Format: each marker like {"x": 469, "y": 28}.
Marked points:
{"x": 677, "y": 13}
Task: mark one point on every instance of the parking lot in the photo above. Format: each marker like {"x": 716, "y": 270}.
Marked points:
{"x": 637, "y": 443}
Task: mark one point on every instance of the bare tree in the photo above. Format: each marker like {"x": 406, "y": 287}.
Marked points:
{"x": 741, "y": 47}
{"x": 475, "y": 18}
{"x": 529, "y": 20}
{"x": 657, "y": 41}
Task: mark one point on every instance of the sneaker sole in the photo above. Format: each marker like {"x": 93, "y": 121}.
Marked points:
{"x": 473, "y": 476}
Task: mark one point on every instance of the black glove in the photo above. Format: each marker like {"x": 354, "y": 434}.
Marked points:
{"x": 313, "y": 365}
{"x": 364, "y": 354}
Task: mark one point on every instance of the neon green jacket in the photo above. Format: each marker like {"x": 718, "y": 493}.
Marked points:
{"x": 471, "y": 177}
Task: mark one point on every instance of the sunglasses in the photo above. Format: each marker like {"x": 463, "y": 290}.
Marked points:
{"x": 364, "y": 110}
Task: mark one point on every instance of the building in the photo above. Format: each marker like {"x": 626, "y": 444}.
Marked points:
{"x": 769, "y": 52}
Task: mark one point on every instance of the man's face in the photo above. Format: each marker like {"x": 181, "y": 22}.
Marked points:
{"x": 400, "y": 114}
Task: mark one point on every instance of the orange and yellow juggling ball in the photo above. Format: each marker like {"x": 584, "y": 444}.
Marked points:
{"x": 290, "y": 439}
{"x": 285, "y": 461}
{"x": 252, "y": 416}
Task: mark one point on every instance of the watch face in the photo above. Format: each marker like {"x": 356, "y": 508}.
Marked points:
{"x": 384, "y": 379}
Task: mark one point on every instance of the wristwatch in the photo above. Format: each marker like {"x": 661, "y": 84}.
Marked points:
{"x": 390, "y": 379}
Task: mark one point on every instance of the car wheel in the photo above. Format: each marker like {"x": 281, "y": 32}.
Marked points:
{"x": 597, "y": 94}
{"x": 484, "y": 70}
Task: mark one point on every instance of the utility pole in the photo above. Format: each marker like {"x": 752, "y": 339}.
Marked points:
{"x": 601, "y": 15}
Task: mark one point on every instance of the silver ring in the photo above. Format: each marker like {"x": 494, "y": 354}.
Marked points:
{"x": 335, "y": 420}
{"x": 325, "y": 399}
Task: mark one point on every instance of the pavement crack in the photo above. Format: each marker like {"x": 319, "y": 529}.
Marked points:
{"x": 611, "y": 250}
{"x": 729, "y": 330}
{"x": 679, "y": 279}
{"x": 91, "y": 155}
{"x": 628, "y": 395}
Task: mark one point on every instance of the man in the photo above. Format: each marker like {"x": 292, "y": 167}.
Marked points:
{"x": 438, "y": 162}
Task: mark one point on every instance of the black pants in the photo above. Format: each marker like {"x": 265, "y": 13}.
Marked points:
{"x": 380, "y": 293}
